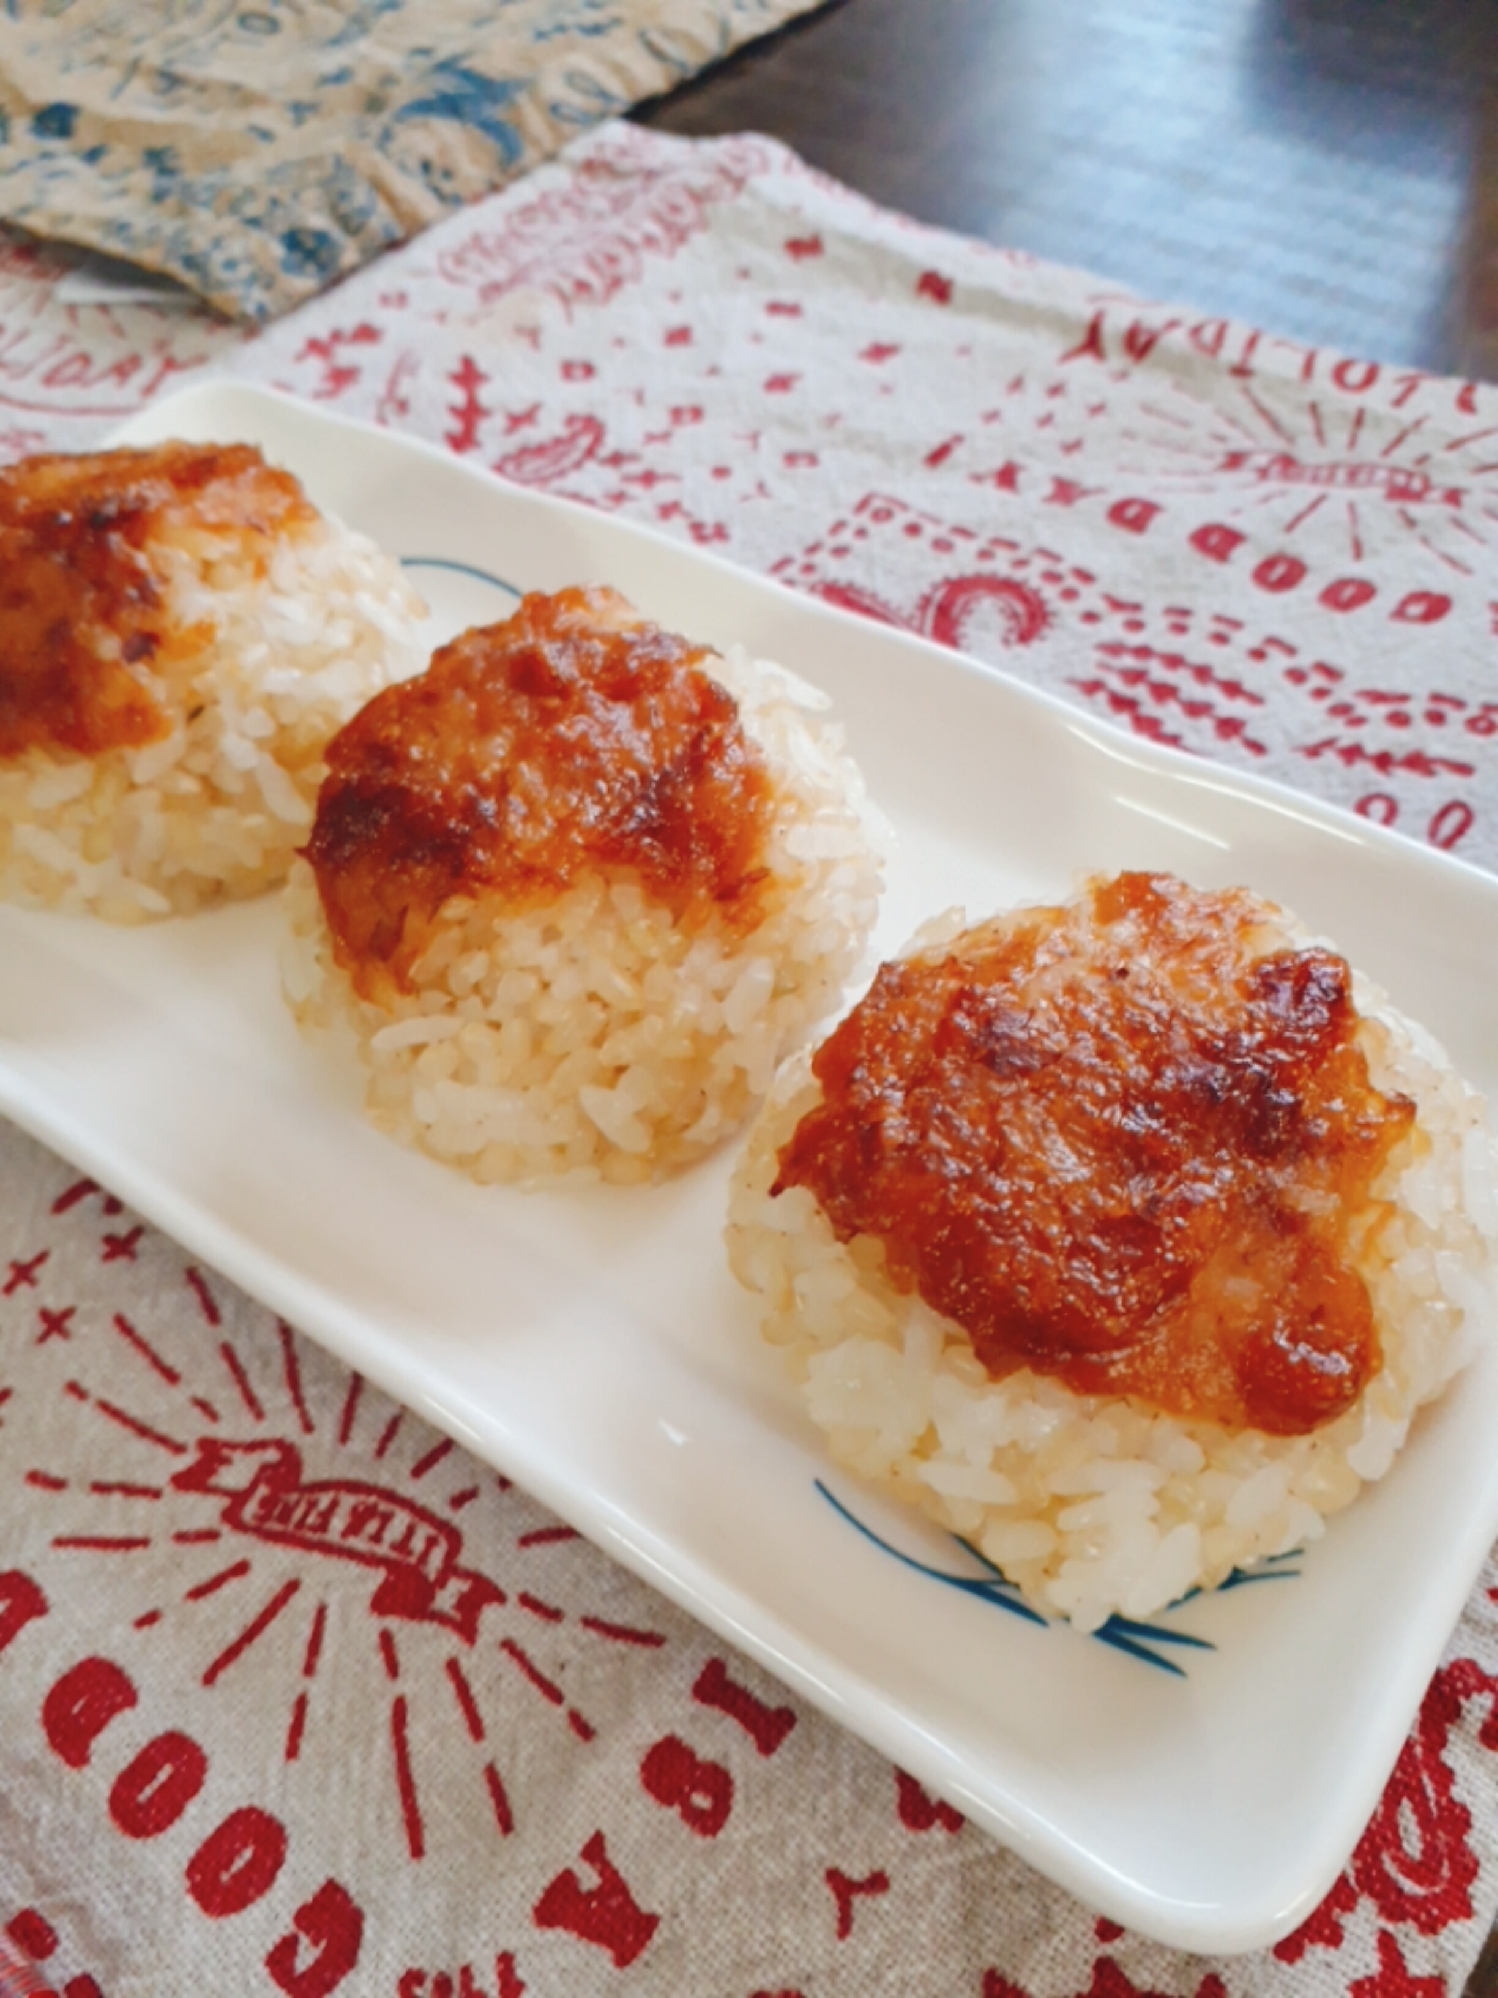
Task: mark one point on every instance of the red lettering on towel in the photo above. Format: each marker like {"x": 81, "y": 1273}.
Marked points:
{"x": 676, "y": 1776}
{"x": 237, "y": 1864}
{"x": 607, "y": 1915}
{"x": 152, "y": 1791}
{"x": 846, "y": 1891}
{"x": 21, "y": 1602}
{"x": 82, "y": 1704}
{"x": 333, "y": 1924}
{"x": 766, "y": 1726}
{"x": 920, "y": 1812}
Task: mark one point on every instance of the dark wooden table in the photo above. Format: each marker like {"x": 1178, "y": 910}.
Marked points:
{"x": 1323, "y": 168}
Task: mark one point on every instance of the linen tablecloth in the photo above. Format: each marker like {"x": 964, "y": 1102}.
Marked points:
{"x": 229, "y": 1765}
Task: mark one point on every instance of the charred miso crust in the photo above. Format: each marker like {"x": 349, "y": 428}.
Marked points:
{"x": 1117, "y": 1147}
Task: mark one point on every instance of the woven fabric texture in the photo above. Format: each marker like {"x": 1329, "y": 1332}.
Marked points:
{"x": 228, "y": 1763}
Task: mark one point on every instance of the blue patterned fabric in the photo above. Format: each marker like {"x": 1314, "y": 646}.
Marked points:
{"x": 258, "y": 149}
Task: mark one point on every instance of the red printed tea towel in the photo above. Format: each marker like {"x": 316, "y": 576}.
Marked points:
{"x": 294, "y": 1694}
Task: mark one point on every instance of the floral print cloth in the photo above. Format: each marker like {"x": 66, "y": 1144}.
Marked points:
{"x": 258, "y": 151}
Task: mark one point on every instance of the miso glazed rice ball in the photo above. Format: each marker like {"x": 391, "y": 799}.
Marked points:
{"x": 1123, "y": 1238}
{"x": 573, "y": 893}
{"x": 180, "y": 633}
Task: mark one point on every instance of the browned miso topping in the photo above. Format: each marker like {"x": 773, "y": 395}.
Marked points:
{"x": 84, "y": 631}
{"x": 1118, "y": 1148}
{"x": 572, "y": 738}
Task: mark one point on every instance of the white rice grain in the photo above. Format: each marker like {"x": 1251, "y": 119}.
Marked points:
{"x": 1091, "y": 1504}
{"x": 600, "y": 1040}
{"x": 216, "y": 808}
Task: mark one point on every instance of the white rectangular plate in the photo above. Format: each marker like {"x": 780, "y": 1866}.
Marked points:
{"x": 594, "y": 1347}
